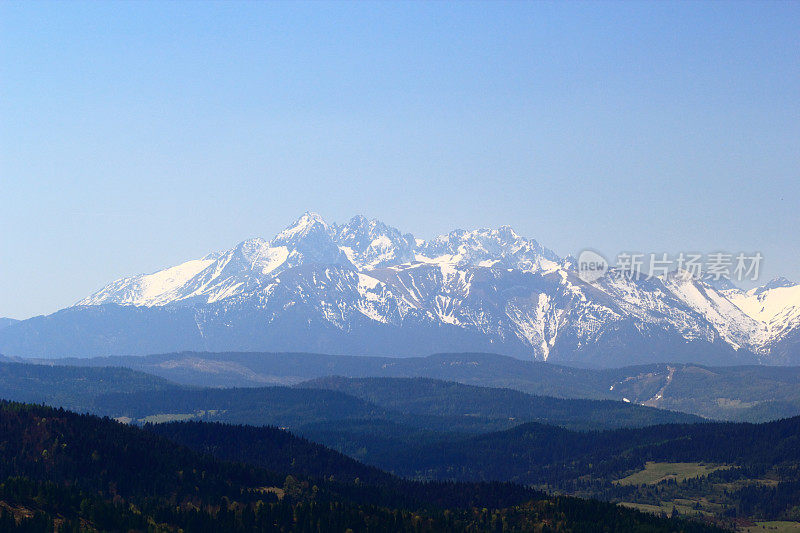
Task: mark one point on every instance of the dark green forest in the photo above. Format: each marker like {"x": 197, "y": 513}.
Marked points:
{"x": 738, "y": 393}
{"x": 417, "y": 446}
{"x": 759, "y": 475}
{"x": 420, "y": 403}
{"x": 68, "y": 472}
{"x": 469, "y": 407}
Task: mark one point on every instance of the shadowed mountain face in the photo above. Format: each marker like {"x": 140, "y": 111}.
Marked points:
{"x": 366, "y": 288}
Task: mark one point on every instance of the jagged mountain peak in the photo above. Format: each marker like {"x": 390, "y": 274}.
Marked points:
{"x": 369, "y": 243}
{"x": 721, "y": 284}
{"x": 360, "y": 221}
{"x": 309, "y": 224}
{"x": 489, "y": 247}
{"x": 508, "y": 232}
{"x": 309, "y": 240}
{"x": 775, "y": 283}
{"x": 360, "y": 283}
{"x": 360, "y": 225}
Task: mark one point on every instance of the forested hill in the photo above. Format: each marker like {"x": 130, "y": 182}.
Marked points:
{"x": 728, "y": 470}
{"x": 72, "y": 387}
{"x": 67, "y": 472}
{"x": 731, "y": 471}
{"x": 412, "y": 402}
{"x": 270, "y": 448}
{"x": 537, "y": 454}
{"x": 421, "y": 403}
{"x": 436, "y": 398}
{"x": 279, "y": 406}
{"x": 744, "y": 393}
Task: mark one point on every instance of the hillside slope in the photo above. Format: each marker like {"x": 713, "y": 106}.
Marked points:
{"x": 747, "y": 393}
{"x": 65, "y": 472}
{"x": 467, "y": 405}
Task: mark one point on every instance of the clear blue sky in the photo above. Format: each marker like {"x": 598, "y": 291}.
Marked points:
{"x": 134, "y": 136}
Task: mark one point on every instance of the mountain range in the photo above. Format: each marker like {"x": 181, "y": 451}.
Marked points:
{"x": 367, "y": 288}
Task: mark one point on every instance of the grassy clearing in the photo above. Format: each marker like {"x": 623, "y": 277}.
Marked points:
{"x": 665, "y": 507}
{"x": 656, "y": 472}
{"x": 167, "y": 417}
{"x": 773, "y": 527}
{"x": 646, "y": 508}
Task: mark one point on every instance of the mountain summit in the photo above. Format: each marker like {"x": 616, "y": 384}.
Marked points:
{"x": 365, "y": 287}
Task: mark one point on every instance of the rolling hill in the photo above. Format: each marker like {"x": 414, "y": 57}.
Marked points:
{"x": 745, "y": 393}
{"x": 63, "y": 472}
{"x": 465, "y": 406}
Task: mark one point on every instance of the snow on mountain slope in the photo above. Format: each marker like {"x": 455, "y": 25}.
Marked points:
{"x": 483, "y": 247}
{"x": 310, "y": 240}
{"x": 149, "y": 289}
{"x": 244, "y": 268}
{"x": 735, "y": 327}
{"x": 770, "y": 301}
{"x": 371, "y": 244}
{"x": 366, "y": 287}
{"x": 774, "y": 306}
{"x": 658, "y": 302}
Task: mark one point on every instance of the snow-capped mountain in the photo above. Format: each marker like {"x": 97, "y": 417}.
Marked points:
{"x": 366, "y": 288}
{"x": 775, "y": 310}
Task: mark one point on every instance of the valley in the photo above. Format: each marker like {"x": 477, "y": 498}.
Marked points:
{"x": 392, "y": 431}
{"x": 755, "y": 393}
{"x": 399, "y": 267}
